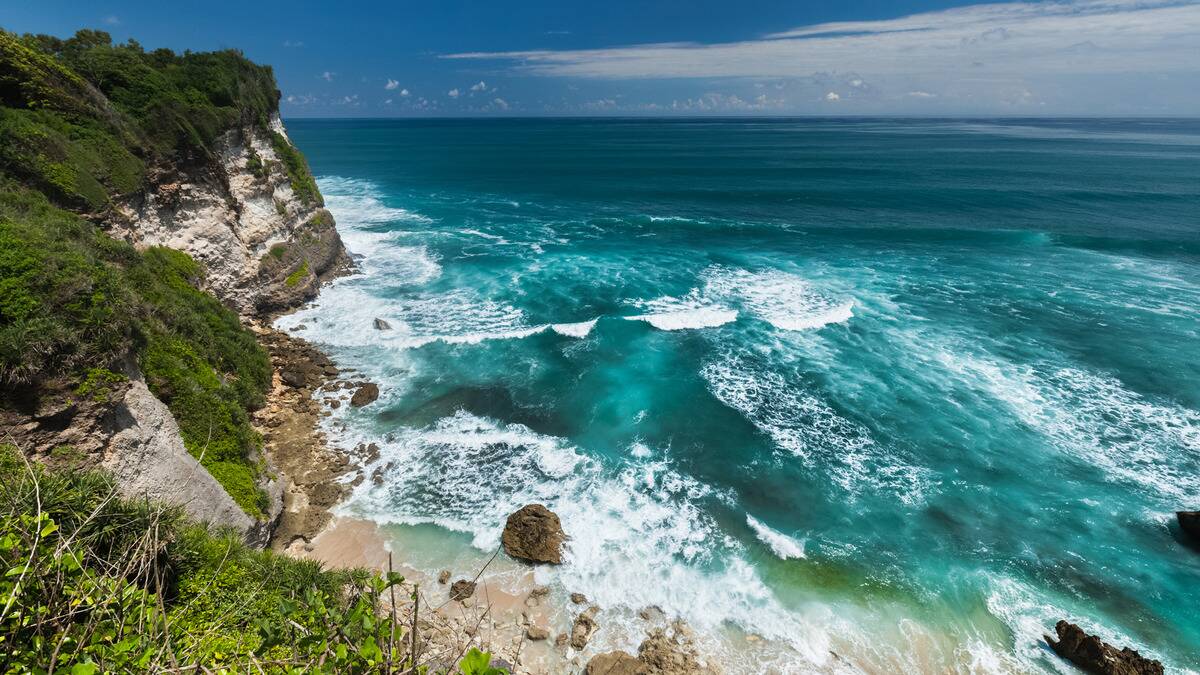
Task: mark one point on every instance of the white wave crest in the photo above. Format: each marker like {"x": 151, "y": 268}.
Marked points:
{"x": 784, "y": 300}
{"x": 780, "y": 544}
{"x": 689, "y": 312}
{"x": 577, "y": 330}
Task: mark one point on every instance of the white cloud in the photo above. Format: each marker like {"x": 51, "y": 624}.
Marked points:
{"x": 479, "y": 86}
{"x": 404, "y": 92}
{"x": 832, "y": 96}
{"x": 391, "y": 84}
{"x": 963, "y": 53}
{"x": 112, "y": 20}
{"x": 921, "y": 94}
{"x": 293, "y": 43}
{"x": 327, "y": 76}
{"x": 453, "y": 93}
{"x": 500, "y": 103}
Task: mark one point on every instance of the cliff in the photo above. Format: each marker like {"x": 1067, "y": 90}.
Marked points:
{"x": 150, "y": 204}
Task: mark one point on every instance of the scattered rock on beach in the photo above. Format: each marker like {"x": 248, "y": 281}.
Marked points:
{"x": 672, "y": 653}
{"x": 365, "y": 394}
{"x": 380, "y": 324}
{"x": 1094, "y": 655}
{"x": 579, "y": 598}
{"x": 615, "y": 663}
{"x": 584, "y": 626}
{"x": 534, "y": 533}
{"x": 462, "y": 589}
{"x": 1189, "y": 522}
{"x": 537, "y": 633}
{"x": 444, "y": 577}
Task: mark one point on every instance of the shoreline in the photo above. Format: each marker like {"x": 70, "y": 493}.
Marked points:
{"x": 514, "y": 622}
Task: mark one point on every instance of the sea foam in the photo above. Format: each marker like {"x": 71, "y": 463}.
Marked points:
{"x": 780, "y": 544}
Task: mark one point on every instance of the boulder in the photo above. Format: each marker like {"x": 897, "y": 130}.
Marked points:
{"x": 579, "y": 598}
{"x": 584, "y": 626}
{"x": 534, "y": 533}
{"x": 1189, "y": 522}
{"x": 537, "y": 633}
{"x": 380, "y": 324}
{"x": 1094, "y": 655}
{"x": 293, "y": 377}
{"x": 462, "y": 589}
{"x": 365, "y": 394}
{"x": 444, "y": 577}
{"x": 615, "y": 663}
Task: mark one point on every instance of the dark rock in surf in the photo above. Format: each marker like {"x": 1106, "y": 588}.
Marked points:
{"x": 1094, "y": 655}
{"x": 534, "y": 533}
{"x": 1189, "y": 522}
{"x": 380, "y": 324}
{"x": 462, "y": 589}
{"x": 365, "y": 394}
{"x": 583, "y": 627}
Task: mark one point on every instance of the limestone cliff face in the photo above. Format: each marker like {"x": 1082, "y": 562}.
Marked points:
{"x": 264, "y": 246}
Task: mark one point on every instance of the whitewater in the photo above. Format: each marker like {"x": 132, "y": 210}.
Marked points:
{"x": 846, "y": 396}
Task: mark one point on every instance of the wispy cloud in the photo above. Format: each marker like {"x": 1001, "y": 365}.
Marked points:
{"x": 1078, "y": 37}
{"x": 293, "y": 43}
{"x": 391, "y": 84}
{"x": 453, "y": 93}
{"x": 327, "y": 76}
{"x": 479, "y": 86}
{"x": 112, "y": 20}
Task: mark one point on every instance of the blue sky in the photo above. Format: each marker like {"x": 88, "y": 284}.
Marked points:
{"x": 683, "y": 57}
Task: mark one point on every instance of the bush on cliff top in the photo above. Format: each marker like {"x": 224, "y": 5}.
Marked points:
{"x": 73, "y": 299}
{"x": 83, "y": 118}
{"x": 94, "y": 583}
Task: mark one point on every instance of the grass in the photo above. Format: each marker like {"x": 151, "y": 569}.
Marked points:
{"x": 74, "y": 303}
{"x": 97, "y": 583}
{"x": 298, "y": 275}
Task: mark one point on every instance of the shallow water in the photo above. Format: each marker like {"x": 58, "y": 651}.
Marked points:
{"x": 903, "y": 391}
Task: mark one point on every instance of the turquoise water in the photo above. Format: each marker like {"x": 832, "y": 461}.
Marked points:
{"x": 906, "y": 391}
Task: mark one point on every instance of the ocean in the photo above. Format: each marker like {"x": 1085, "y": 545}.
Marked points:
{"x": 880, "y": 395}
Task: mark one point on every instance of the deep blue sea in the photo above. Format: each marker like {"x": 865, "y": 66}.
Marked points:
{"x": 880, "y": 395}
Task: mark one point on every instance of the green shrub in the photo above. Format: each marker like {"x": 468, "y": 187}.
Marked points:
{"x": 97, "y": 385}
{"x": 303, "y": 183}
{"x": 95, "y": 583}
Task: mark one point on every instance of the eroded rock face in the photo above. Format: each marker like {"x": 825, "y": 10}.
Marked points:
{"x": 366, "y": 394}
{"x": 616, "y": 663}
{"x": 1094, "y": 655}
{"x": 534, "y": 533}
{"x": 1189, "y": 522}
{"x": 264, "y": 248}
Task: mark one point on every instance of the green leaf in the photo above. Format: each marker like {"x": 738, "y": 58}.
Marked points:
{"x": 86, "y": 668}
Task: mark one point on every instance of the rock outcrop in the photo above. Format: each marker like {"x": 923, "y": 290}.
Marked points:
{"x": 534, "y": 533}
{"x": 583, "y": 627}
{"x": 1189, "y": 522}
{"x": 1094, "y": 655}
{"x": 615, "y": 663}
{"x": 462, "y": 589}
{"x": 380, "y": 324}
{"x": 131, "y": 433}
{"x": 366, "y": 394}
{"x": 661, "y": 653}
